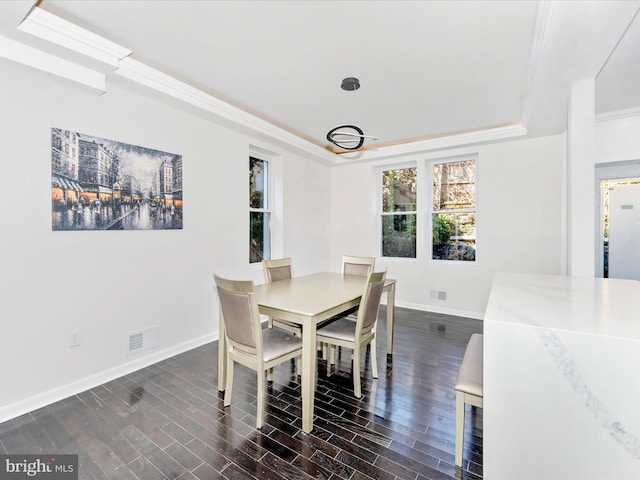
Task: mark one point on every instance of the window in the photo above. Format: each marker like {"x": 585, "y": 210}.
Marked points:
{"x": 453, "y": 214}
{"x": 399, "y": 213}
{"x": 259, "y": 213}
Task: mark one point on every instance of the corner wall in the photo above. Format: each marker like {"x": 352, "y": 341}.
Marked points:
{"x": 110, "y": 283}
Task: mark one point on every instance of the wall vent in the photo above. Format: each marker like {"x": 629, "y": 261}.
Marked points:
{"x": 142, "y": 340}
{"x": 440, "y": 295}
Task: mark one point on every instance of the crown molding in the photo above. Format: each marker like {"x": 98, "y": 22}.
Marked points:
{"x": 539, "y": 36}
{"x": 149, "y": 77}
{"x": 618, "y": 114}
{"x": 32, "y": 57}
{"x": 54, "y": 29}
{"x": 479, "y": 136}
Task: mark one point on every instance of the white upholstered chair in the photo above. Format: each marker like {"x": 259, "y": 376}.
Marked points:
{"x": 355, "y": 335}
{"x": 247, "y": 343}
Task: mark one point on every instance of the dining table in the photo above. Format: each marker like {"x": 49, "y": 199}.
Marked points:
{"x": 309, "y": 300}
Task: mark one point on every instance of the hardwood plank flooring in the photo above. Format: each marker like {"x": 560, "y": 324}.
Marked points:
{"x": 167, "y": 421}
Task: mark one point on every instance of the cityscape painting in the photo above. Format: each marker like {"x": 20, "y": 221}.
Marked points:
{"x": 100, "y": 184}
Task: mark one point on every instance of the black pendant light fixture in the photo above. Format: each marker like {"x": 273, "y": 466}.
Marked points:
{"x": 348, "y": 136}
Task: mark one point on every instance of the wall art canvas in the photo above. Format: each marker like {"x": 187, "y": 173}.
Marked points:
{"x": 100, "y": 184}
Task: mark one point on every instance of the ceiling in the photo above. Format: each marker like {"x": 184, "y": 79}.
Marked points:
{"x": 429, "y": 70}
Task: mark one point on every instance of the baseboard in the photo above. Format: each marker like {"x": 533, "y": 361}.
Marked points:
{"x": 438, "y": 309}
{"x": 51, "y": 396}
{"x": 43, "y": 399}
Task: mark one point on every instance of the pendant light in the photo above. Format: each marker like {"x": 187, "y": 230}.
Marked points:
{"x": 348, "y": 136}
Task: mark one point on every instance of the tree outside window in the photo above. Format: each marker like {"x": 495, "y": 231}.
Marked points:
{"x": 399, "y": 213}
{"x": 259, "y": 213}
{"x": 453, "y": 217}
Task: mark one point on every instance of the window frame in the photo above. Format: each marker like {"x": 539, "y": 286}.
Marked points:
{"x": 381, "y": 213}
{"x": 430, "y": 210}
{"x": 266, "y": 208}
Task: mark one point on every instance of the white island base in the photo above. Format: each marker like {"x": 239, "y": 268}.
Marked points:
{"x": 561, "y": 378}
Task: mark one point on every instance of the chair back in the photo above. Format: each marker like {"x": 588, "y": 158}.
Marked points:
{"x": 279, "y": 269}
{"x": 240, "y": 314}
{"x": 361, "y": 266}
{"x": 370, "y": 302}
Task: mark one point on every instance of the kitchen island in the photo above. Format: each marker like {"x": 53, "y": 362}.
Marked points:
{"x": 561, "y": 378}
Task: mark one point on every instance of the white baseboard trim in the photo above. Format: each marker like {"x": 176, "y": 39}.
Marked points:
{"x": 43, "y": 399}
{"x": 438, "y": 309}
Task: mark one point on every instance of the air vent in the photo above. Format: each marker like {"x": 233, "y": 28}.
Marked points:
{"x": 142, "y": 340}
{"x": 440, "y": 295}
{"x": 136, "y": 342}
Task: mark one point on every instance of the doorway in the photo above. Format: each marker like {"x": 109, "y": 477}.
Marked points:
{"x": 624, "y": 230}
{"x": 618, "y": 211}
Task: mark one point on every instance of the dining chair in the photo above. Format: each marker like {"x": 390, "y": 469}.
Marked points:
{"x": 282, "y": 269}
{"x": 361, "y": 266}
{"x": 275, "y": 270}
{"x": 247, "y": 343}
{"x": 354, "y": 335}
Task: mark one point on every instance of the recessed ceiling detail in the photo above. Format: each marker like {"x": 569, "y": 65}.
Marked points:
{"x": 438, "y": 74}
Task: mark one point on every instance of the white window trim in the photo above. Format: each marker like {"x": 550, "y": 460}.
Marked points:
{"x": 429, "y": 209}
{"x": 275, "y": 199}
{"x": 380, "y": 213}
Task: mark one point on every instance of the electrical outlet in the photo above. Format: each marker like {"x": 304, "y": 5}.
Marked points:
{"x": 74, "y": 338}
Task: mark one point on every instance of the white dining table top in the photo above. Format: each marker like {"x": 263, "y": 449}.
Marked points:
{"x": 310, "y": 295}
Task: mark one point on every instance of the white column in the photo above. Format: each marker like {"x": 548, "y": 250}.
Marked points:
{"x": 581, "y": 154}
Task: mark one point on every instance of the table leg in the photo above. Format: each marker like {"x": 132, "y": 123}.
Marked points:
{"x": 308, "y": 374}
{"x": 391, "y": 306}
{"x": 222, "y": 354}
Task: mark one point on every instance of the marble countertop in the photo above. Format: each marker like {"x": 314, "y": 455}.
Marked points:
{"x": 589, "y": 305}
{"x": 561, "y": 388}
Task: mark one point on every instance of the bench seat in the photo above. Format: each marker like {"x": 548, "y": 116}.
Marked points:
{"x": 468, "y": 388}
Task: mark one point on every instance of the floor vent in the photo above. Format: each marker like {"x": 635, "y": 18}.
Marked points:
{"x": 439, "y": 326}
{"x": 142, "y": 340}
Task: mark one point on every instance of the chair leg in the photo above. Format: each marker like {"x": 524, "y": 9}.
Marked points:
{"x": 355, "y": 373}
{"x": 372, "y": 357}
{"x": 330, "y": 356}
{"x": 459, "y": 427}
{"x": 229, "y": 385}
{"x": 270, "y": 375}
{"x": 261, "y": 395}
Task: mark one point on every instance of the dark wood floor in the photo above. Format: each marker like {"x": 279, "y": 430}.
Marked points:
{"x": 168, "y": 421}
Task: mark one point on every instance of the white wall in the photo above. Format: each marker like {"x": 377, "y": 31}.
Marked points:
{"x": 520, "y": 228}
{"x": 307, "y": 230}
{"x": 108, "y": 284}
{"x": 618, "y": 139}
{"x": 581, "y": 149}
